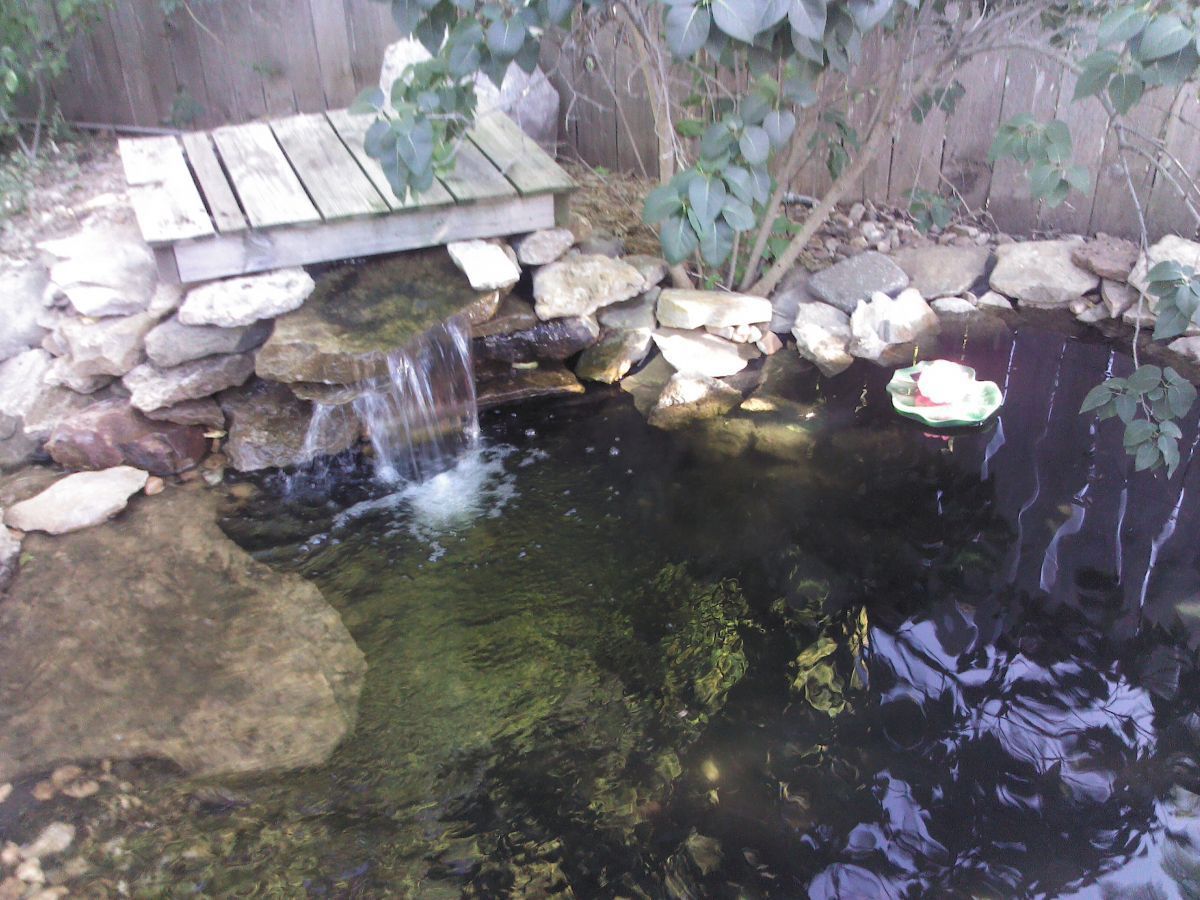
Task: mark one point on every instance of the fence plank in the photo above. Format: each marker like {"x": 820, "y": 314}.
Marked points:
{"x": 1112, "y": 210}
{"x": 183, "y": 42}
{"x": 970, "y": 130}
{"x": 1088, "y": 124}
{"x": 1167, "y": 212}
{"x": 332, "y": 42}
{"x": 241, "y": 58}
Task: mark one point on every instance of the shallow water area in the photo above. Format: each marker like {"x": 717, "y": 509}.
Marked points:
{"x": 809, "y": 650}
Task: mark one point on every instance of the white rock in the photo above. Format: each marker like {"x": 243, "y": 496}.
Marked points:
{"x": 486, "y": 265}
{"x": 1187, "y": 347}
{"x": 697, "y": 353}
{"x": 109, "y": 346}
{"x": 153, "y": 388}
{"x": 681, "y": 308}
{"x": 822, "y": 334}
{"x": 883, "y": 322}
{"x": 10, "y": 554}
{"x": 953, "y": 306}
{"x": 21, "y": 290}
{"x": 52, "y": 840}
{"x": 78, "y": 501}
{"x": 63, "y": 373}
{"x": 631, "y": 315}
{"x": 105, "y": 271}
{"x": 22, "y": 381}
{"x": 739, "y": 334}
{"x": 540, "y": 248}
{"x": 1041, "y": 273}
{"x": 241, "y": 301}
{"x": 1171, "y": 247}
{"x": 580, "y": 285}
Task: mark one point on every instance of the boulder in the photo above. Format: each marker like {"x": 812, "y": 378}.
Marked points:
{"x": 1107, "y": 256}
{"x": 634, "y": 314}
{"x": 103, "y": 271}
{"x": 943, "y": 271}
{"x": 1118, "y": 297}
{"x": 235, "y": 302}
{"x": 692, "y": 398}
{"x": 25, "y": 394}
{"x": 190, "y": 651}
{"x": 580, "y": 285}
{"x": 501, "y": 385}
{"x": 699, "y": 353}
{"x": 204, "y": 411}
{"x": 172, "y": 343}
{"x": 540, "y": 248}
{"x": 63, "y": 373}
{"x": 16, "y": 447}
{"x": 153, "y": 388}
{"x": 785, "y": 302}
{"x": 852, "y": 280}
{"x": 1171, "y": 247}
{"x": 112, "y": 433}
{"x": 1041, "y": 273}
{"x": 883, "y": 322}
{"x": 717, "y": 309}
{"x": 110, "y": 346}
{"x": 513, "y": 314}
{"x": 653, "y": 268}
{"x": 360, "y": 314}
{"x": 822, "y": 335}
{"x": 269, "y": 427}
{"x": 77, "y": 501}
{"x": 486, "y": 265}
{"x": 555, "y": 339}
{"x": 10, "y": 555}
{"x": 21, "y": 290}
{"x": 610, "y": 360}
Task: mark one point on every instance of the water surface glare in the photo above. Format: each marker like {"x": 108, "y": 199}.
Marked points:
{"x": 812, "y": 657}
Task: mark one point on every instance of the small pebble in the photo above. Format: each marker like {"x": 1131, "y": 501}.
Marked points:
{"x": 154, "y": 485}
{"x": 65, "y": 775}
{"x": 10, "y": 855}
{"x": 54, "y": 839}
{"x": 82, "y": 789}
{"x": 43, "y": 791}
{"x": 5, "y": 791}
{"x": 31, "y": 872}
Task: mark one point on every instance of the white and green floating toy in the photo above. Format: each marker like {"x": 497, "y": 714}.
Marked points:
{"x": 944, "y": 394}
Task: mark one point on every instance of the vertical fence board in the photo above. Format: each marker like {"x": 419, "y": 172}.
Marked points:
{"x": 1088, "y": 124}
{"x": 183, "y": 42}
{"x": 333, "y": 51}
{"x": 970, "y": 130}
{"x": 1167, "y": 212}
{"x": 1112, "y": 210}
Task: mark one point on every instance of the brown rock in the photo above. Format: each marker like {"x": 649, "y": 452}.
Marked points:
{"x": 112, "y": 433}
{"x": 504, "y": 385}
{"x": 1107, "y": 256}
{"x": 514, "y": 314}
{"x": 556, "y": 339}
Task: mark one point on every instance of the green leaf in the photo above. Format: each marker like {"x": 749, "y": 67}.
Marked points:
{"x": 690, "y": 128}
{"x": 687, "y": 28}
{"x": 1145, "y": 379}
{"x": 1043, "y": 178}
{"x": 1058, "y": 141}
{"x": 660, "y": 203}
{"x": 1168, "y": 271}
{"x": 739, "y": 215}
{"x": 1096, "y": 398}
{"x": 738, "y": 18}
{"x": 1147, "y": 457}
{"x": 1181, "y": 395}
{"x": 740, "y": 182}
{"x": 755, "y": 145}
{"x": 717, "y": 139}
{"x": 1119, "y": 26}
{"x": 1079, "y": 178}
{"x": 716, "y": 243}
{"x": 1095, "y": 72}
{"x": 807, "y": 18}
{"x": 1139, "y": 431}
{"x": 1163, "y": 36}
{"x": 1125, "y": 90}
{"x": 678, "y": 239}
{"x": 707, "y": 197}
{"x": 779, "y": 125}
{"x": 505, "y": 37}
{"x": 1126, "y": 406}
{"x": 1170, "y": 429}
{"x": 369, "y": 101}
{"x": 1170, "y": 452}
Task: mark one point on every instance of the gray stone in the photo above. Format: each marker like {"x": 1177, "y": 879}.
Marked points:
{"x": 646, "y": 384}
{"x": 992, "y": 300}
{"x": 103, "y": 271}
{"x": 25, "y": 394}
{"x": 1118, "y": 297}
{"x": 691, "y": 398}
{"x": 1089, "y": 313}
{"x": 157, "y": 636}
{"x": 653, "y": 268}
{"x": 601, "y": 243}
{"x": 699, "y": 353}
{"x": 10, "y": 555}
{"x": 242, "y": 301}
{"x": 1041, "y": 273}
{"x": 785, "y": 302}
{"x": 77, "y": 501}
{"x": 16, "y": 447}
{"x": 555, "y": 339}
{"x": 634, "y": 314}
{"x": 62, "y": 373}
{"x": 166, "y": 300}
{"x": 943, "y": 271}
{"x": 21, "y": 290}
{"x": 486, "y": 265}
{"x": 580, "y": 285}
{"x": 699, "y": 309}
{"x": 153, "y": 388}
{"x": 855, "y": 279}
{"x": 172, "y": 343}
{"x": 883, "y": 322}
{"x": 1172, "y": 247}
{"x": 110, "y": 346}
{"x": 610, "y": 360}
{"x": 1187, "y": 347}
{"x": 1109, "y": 257}
{"x": 269, "y": 427}
{"x": 204, "y": 412}
{"x": 540, "y": 248}
{"x": 822, "y": 335}
{"x": 514, "y": 314}
{"x": 954, "y": 306}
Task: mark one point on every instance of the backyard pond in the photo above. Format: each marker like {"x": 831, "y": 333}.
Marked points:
{"x": 809, "y": 650}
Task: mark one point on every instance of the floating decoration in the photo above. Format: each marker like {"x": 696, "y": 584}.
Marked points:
{"x": 944, "y": 394}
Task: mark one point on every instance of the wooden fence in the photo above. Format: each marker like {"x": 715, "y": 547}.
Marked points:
{"x": 211, "y": 62}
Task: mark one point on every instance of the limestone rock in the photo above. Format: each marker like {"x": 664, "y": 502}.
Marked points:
{"x": 269, "y": 428}
{"x": 1171, "y": 247}
{"x": 166, "y": 300}
{"x": 614, "y": 355}
{"x": 77, "y": 501}
{"x": 153, "y": 388}
{"x": 943, "y": 271}
{"x": 846, "y": 283}
{"x": 1118, "y": 297}
{"x": 235, "y": 302}
{"x": 739, "y": 334}
{"x": 992, "y": 300}
{"x": 204, "y": 411}
{"x": 486, "y": 265}
{"x": 580, "y": 285}
{"x": 1187, "y": 347}
{"x": 822, "y": 335}
{"x": 112, "y": 433}
{"x": 10, "y": 554}
{"x": 698, "y": 353}
{"x": 634, "y": 314}
{"x": 169, "y": 655}
{"x": 769, "y": 344}
{"x": 1107, "y": 256}
{"x": 698, "y": 309}
{"x": 785, "y": 302}
{"x": 954, "y": 306}
{"x": 1041, "y": 273}
{"x": 513, "y": 314}
{"x": 555, "y": 339}
{"x": 691, "y": 398}
{"x": 21, "y": 290}
{"x": 26, "y": 395}
{"x": 540, "y": 248}
{"x": 653, "y": 268}
{"x": 109, "y": 346}
{"x": 360, "y": 314}
{"x": 62, "y": 373}
{"x": 172, "y": 343}
{"x": 646, "y": 384}
{"x": 103, "y": 271}
{"x": 883, "y": 322}
{"x": 500, "y": 385}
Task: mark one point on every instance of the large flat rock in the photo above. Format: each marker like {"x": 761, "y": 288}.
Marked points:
{"x": 846, "y": 283}
{"x": 172, "y": 343}
{"x": 78, "y": 501}
{"x": 235, "y": 302}
{"x": 700, "y": 353}
{"x": 1041, "y": 273}
{"x": 158, "y": 636}
{"x": 679, "y": 308}
{"x": 103, "y": 270}
{"x": 581, "y": 284}
{"x": 943, "y": 271}
{"x": 152, "y": 388}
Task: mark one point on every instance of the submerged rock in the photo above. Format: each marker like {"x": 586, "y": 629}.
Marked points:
{"x": 646, "y": 385}
{"x": 197, "y": 653}
{"x": 172, "y": 343}
{"x": 500, "y": 386}
{"x": 852, "y": 280}
{"x": 360, "y": 314}
{"x": 943, "y": 271}
{"x": 236, "y": 302}
{"x": 690, "y": 398}
{"x": 609, "y": 360}
{"x": 580, "y": 285}
{"x": 1041, "y": 273}
{"x": 700, "y": 353}
{"x": 153, "y": 388}
{"x": 269, "y": 427}
{"x": 78, "y": 501}
{"x": 555, "y": 339}
{"x": 113, "y": 433}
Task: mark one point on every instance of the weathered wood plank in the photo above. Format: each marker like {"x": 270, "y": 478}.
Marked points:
{"x": 330, "y": 31}
{"x": 328, "y": 171}
{"x": 352, "y": 130}
{"x": 1168, "y": 212}
{"x": 475, "y": 178}
{"x": 969, "y": 132}
{"x": 518, "y": 156}
{"x": 269, "y": 190}
{"x": 218, "y": 194}
{"x": 164, "y": 196}
{"x": 259, "y": 251}
{"x": 1087, "y": 139}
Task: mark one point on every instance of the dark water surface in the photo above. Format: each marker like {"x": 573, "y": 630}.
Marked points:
{"x": 829, "y": 655}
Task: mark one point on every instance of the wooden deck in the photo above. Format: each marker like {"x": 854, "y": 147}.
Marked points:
{"x": 248, "y": 198}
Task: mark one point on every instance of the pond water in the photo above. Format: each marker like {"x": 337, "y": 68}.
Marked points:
{"x": 830, "y": 655}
